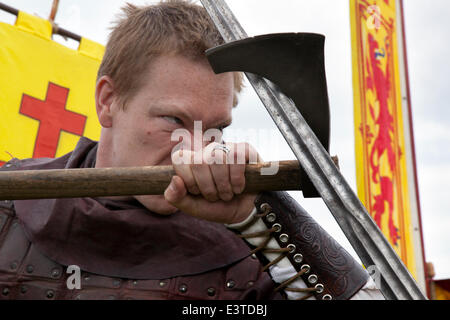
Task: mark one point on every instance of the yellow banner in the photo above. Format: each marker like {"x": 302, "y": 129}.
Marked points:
{"x": 46, "y": 91}
{"x": 441, "y": 290}
{"x": 382, "y": 177}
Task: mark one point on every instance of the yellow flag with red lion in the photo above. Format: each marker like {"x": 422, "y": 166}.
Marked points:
{"x": 385, "y": 164}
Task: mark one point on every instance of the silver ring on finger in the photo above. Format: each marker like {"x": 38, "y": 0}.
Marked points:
{"x": 222, "y": 147}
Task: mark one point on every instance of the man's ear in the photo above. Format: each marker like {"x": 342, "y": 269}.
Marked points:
{"x": 104, "y": 100}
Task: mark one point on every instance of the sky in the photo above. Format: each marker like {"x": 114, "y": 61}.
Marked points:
{"x": 427, "y": 27}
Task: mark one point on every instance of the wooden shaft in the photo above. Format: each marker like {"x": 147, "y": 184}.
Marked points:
{"x": 54, "y": 10}
{"x": 78, "y": 183}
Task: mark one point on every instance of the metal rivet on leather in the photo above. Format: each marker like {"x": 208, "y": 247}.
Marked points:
{"x": 271, "y": 217}
{"x": 86, "y": 278}
{"x": 291, "y": 248}
{"x": 312, "y": 279}
{"x": 254, "y": 257}
{"x": 265, "y": 207}
{"x": 277, "y": 227}
{"x": 135, "y": 282}
{"x": 211, "y": 292}
{"x": 117, "y": 282}
{"x": 284, "y": 238}
{"x": 306, "y": 267}
{"x": 183, "y": 288}
{"x": 327, "y": 297}
{"x": 50, "y": 294}
{"x": 14, "y": 265}
{"x": 250, "y": 284}
{"x": 319, "y": 287}
{"x": 298, "y": 258}
{"x": 230, "y": 284}
{"x": 30, "y": 268}
{"x": 23, "y": 289}
{"x": 162, "y": 284}
{"x": 56, "y": 273}
{"x": 5, "y": 291}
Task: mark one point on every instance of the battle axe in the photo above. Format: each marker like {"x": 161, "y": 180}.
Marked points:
{"x": 300, "y": 76}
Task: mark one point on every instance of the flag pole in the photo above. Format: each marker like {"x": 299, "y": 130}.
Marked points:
{"x": 54, "y": 10}
{"x": 413, "y": 148}
{"x": 60, "y": 31}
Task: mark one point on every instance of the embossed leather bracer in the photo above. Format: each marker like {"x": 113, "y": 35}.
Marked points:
{"x": 328, "y": 270}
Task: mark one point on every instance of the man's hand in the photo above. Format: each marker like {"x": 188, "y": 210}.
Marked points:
{"x": 212, "y": 189}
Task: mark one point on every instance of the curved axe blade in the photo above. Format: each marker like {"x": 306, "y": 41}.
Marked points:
{"x": 295, "y": 63}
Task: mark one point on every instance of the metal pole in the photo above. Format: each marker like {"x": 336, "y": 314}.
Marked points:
{"x": 60, "y": 31}
{"x": 413, "y": 147}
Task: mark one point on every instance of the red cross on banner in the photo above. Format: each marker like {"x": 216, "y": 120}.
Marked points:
{"x": 53, "y": 118}
{"x": 46, "y": 97}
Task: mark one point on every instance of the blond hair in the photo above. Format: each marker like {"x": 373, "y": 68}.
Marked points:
{"x": 143, "y": 33}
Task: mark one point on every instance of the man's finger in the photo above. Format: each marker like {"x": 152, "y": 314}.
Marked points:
{"x": 196, "y": 206}
{"x": 205, "y": 182}
{"x": 182, "y": 160}
{"x": 221, "y": 175}
{"x": 176, "y": 190}
{"x": 220, "y": 172}
{"x": 237, "y": 178}
{"x": 184, "y": 171}
{"x": 238, "y": 157}
{"x": 241, "y": 155}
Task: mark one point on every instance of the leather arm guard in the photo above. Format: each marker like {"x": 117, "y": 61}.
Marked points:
{"x": 326, "y": 268}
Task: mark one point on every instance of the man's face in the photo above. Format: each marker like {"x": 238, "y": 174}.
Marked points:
{"x": 175, "y": 92}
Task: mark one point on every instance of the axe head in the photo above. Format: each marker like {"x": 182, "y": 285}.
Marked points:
{"x": 295, "y": 63}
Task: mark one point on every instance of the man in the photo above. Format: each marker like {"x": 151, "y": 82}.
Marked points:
{"x": 202, "y": 239}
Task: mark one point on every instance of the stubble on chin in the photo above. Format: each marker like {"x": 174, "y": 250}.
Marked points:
{"x": 157, "y": 204}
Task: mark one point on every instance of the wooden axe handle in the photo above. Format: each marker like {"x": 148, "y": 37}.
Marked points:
{"x": 77, "y": 183}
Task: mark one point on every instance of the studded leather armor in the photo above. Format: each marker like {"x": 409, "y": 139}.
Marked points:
{"x": 25, "y": 273}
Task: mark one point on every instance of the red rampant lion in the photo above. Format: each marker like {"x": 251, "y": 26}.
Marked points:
{"x": 379, "y": 82}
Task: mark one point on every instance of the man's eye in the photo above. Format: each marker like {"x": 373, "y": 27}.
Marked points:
{"x": 173, "y": 120}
